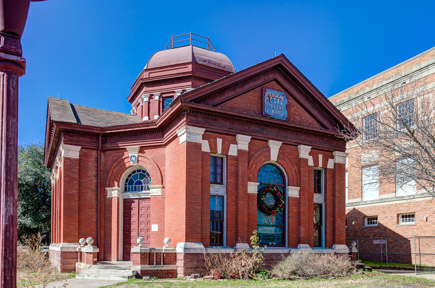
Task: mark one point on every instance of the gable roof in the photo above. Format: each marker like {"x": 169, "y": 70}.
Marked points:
{"x": 308, "y": 96}
{"x": 63, "y": 111}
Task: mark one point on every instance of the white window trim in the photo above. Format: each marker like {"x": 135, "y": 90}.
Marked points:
{"x": 366, "y": 224}
{"x": 406, "y": 223}
{"x": 221, "y": 190}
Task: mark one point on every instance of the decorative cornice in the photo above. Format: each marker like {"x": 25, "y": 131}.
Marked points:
{"x": 243, "y": 142}
{"x": 190, "y": 134}
{"x": 274, "y": 149}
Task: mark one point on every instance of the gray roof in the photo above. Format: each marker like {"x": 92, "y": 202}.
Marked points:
{"x": 63, "y": 111}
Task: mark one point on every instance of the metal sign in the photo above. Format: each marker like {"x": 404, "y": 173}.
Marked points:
{"x": 275, "y": 104}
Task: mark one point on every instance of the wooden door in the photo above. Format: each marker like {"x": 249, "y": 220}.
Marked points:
{"x": 136, "y": 222}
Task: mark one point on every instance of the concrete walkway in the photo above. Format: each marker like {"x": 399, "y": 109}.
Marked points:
{"x": 81, "y": 283}
{"x": 428, "y": 275}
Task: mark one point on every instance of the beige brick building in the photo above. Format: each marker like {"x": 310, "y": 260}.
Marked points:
{"x": 376, "y": 207}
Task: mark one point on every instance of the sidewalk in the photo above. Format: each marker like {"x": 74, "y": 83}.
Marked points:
{"x": 428, "y": 275}
{"x": 81, "y": 283}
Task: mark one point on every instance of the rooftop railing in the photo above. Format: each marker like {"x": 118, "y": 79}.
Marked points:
{"x": 189, "y": 39}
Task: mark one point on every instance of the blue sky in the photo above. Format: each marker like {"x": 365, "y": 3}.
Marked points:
{"x": 90, "y": 52}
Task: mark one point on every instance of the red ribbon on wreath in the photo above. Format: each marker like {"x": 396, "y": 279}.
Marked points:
{"x": 278, "y": 197}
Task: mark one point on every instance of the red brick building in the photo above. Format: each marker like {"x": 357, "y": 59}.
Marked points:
{"x": 188, "y": 164}
{"x": 377, "y": 207}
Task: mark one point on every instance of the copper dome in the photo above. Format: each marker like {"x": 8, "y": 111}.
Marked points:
{"x": 190, "y": 54}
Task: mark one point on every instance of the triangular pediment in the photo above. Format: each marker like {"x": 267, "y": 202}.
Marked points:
{"x": 274, "y": 89}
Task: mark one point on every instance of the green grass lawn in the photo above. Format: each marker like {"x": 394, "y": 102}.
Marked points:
{"x": 401, "y": 266}
{"x": 374, "y": 279}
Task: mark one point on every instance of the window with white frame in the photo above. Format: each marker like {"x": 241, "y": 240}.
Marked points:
{"x": 371, "y": 221}
{"x": 370, "y": 127}
{"x": 370, "y": 183}
{"x": 405, "y": 114}
{"x": 405, "y": 177}
{"x": 407, "y": 219}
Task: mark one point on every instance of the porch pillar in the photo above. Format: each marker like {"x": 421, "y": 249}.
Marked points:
{"x": 306, "y": 196}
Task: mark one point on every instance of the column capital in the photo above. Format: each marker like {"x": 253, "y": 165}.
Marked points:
{"x": 293, "y": 191}
{"x": 243, "y": 141}
{"x": 70, "y": 151}
{"x": 340, "y": 157}
{"x": 304, "y": 152}
{"x": 253, "y": 187}
{"x": 113, "y": 192}
{"x": 145, "y": 97}
{"x": 178, "y": 92}
{"x": 190, "y": 134}
{"x": 156, "y": 95}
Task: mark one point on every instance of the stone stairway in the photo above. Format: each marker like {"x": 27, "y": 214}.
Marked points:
{"x": 117, "y": 270}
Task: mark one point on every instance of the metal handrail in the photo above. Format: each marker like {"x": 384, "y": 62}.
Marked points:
{"x": 191, "y": 40}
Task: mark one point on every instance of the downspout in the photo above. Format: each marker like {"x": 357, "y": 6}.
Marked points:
{"x": 98, "y": 194}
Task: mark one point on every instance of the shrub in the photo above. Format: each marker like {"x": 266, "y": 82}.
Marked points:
{"x": 32, "y": 263}
{"x": 312, "y": 265}
{"x": 238, "y": 265}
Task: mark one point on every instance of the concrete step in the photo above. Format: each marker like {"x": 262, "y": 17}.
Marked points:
{"x": 111, "y": 267}
{"x": 106, "y": 274}
{"x": 103, "y": 277}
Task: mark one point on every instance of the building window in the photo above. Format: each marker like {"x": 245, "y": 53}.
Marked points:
{"x": 137, "y": 181}
{"x": 271, "y": 229}
{"x": 216, "y": 220}
{"x": 370, "y": 127}
{"x": 167, "y": 101}
{"x": 318, "y": 181}
{"x": 216, "y": 170}
{"x": 370, "y": 183}
{"x": 371, "y": 221}
{"x": 318, "y": 225}
{"x": 407, "y": 219}
{"x": 405, "y": 174}
{"x": 405, "y": 114}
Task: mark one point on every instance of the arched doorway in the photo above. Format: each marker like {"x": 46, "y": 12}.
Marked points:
{"x": 271, "y": 228}
{"x": 135, "y": 210}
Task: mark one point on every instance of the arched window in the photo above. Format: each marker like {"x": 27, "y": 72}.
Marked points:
{"x": 137, "y": 181}
{"x": 271, "y": 228}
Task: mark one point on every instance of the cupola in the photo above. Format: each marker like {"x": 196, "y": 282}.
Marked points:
{"x": 187, "y": 62}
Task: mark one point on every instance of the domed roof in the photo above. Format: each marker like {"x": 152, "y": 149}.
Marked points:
{"x": 188, "y": 54}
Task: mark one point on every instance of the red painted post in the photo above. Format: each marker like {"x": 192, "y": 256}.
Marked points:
{"x": 13, "y": 16}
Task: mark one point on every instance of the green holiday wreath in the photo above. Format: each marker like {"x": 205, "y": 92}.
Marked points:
{"x": 277, "y": 195}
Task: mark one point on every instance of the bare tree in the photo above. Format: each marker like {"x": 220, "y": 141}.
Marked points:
{"x": 397, "y": 131}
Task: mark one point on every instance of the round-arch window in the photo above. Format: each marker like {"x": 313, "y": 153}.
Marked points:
{"x": 271, "y": 228}
{"x": 137, "y": 181}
